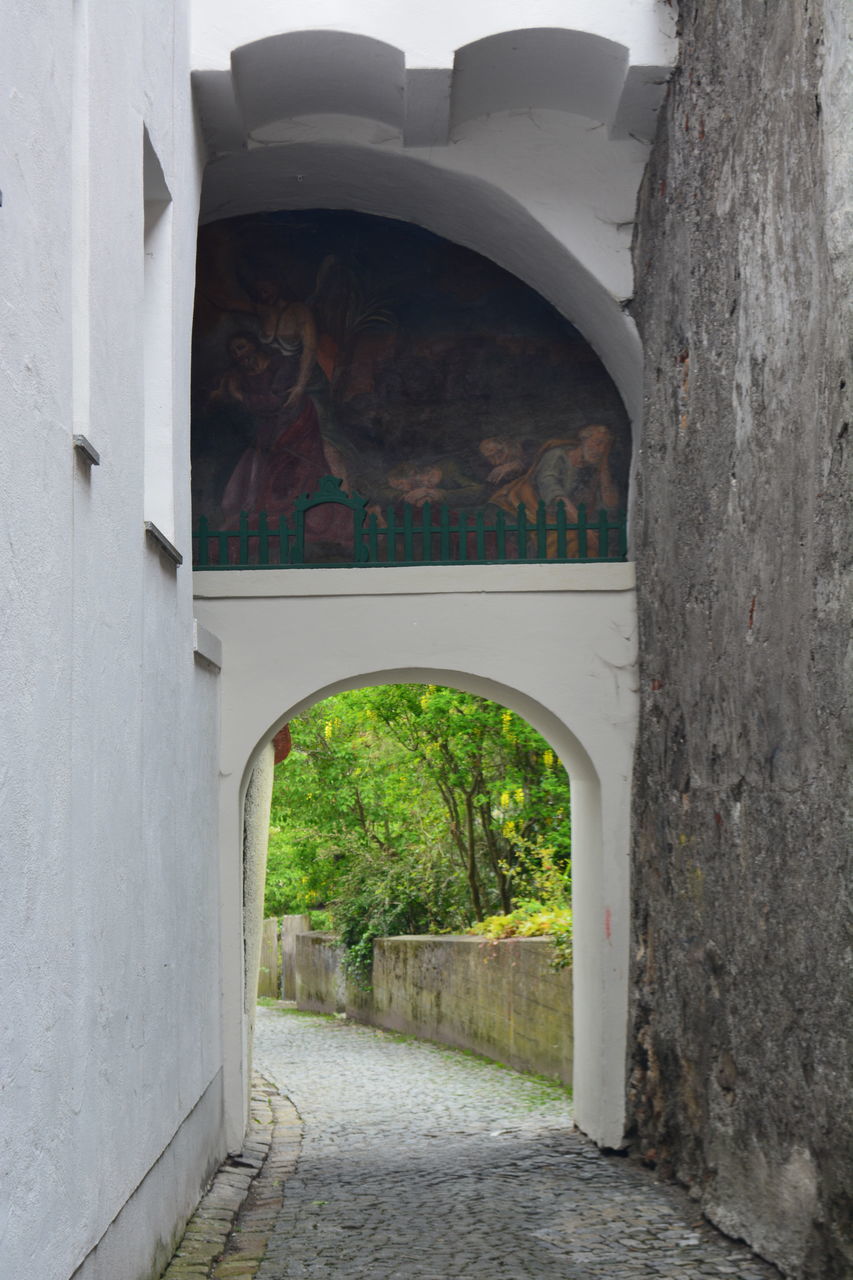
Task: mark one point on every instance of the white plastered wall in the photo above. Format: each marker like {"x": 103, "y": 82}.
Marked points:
{"x": 430, "y": 35}
{"x": 555, "y": 643}
{"x": 110, "y": 1047}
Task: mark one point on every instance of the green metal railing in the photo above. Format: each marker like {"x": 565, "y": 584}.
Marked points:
{"x": 405, "y": 535}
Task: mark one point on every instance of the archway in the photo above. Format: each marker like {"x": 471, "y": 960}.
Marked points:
{"x": 478, "y": 640}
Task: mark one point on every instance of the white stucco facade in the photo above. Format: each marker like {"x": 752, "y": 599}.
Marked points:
{"x": 110, "y": 1049}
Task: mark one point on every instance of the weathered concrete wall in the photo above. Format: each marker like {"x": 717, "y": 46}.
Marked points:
{"x": 742, "y": 978}
{"x": 110, "y": 1036}
{"x": 291, "y": 927}
{"x": 500, "y": 999}
{"x": 320, "y": 982}
{"x": 269, "y": 972}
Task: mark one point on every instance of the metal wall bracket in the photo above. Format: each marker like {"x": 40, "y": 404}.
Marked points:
{"x": 86, "y": 450}
{"x": 168, "y": 548}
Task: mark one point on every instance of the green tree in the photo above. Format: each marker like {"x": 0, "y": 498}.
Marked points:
{"x": 415, "y": 808}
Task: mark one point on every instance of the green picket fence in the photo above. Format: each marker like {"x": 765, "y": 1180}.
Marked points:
{"x": 407, "y": 535}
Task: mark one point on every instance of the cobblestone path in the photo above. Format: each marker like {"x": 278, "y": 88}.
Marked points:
{"x": 423, "y": 1164}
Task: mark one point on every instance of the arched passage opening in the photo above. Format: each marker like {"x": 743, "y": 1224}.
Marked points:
{"x": 282, "y": 653}
{"x": 599, "y": 882}
{"x": 421, "y": 809}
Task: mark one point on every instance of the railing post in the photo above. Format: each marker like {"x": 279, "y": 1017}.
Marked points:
{"x": 408, "y": 530}
{"x": 481, "y": 536}
{"x": 541, "y": 532}
{"x": 426, "y": 533}
{"x": 359, "y": 551}
{"x": 561, "y": 532}
{"x": 298, "y": 552}
{"x": 500, "y": 534}
{"x": 582, "y": 528}
{"x": 263, "y": 539}
{"x": 444, "y": 534}
{"x": 462, "y": 533}
{"x": 521, "y": 532}
{"x": 603, "y": 535}
{"x": 372, "y": 539}
{"x": 203, "y": 551}
{"x": 391, "y": 536}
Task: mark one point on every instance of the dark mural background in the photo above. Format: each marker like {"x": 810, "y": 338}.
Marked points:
{"x": 411, "y": 368}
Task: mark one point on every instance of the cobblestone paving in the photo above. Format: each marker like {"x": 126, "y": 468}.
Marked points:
{"x": 423, "y": 1164}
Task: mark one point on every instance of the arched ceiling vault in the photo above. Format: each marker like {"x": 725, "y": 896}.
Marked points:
{"x": 529, "y": 150}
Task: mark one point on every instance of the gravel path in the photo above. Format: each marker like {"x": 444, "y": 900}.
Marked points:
{"x": 421, "y": 1163}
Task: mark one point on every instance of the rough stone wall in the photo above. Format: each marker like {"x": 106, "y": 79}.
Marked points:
{"x": 741, "y": 1074}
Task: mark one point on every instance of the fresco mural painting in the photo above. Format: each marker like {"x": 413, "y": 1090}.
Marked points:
{"x": 458, "y": 410}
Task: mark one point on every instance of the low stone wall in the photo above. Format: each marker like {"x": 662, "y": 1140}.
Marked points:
{"x": 500, "y": 999}
{"x": 291, "y": 927}
{"x": 319, "y": 979}
{"x": 269, "y": 972}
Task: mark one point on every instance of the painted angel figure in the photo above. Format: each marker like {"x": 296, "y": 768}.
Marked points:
{"x": 318, "y": 333}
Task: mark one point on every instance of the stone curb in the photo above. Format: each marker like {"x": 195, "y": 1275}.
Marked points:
{"x": 226, "y": 1238}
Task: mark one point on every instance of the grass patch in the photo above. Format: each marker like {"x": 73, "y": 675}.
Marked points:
{"x": 287, "y": 1010}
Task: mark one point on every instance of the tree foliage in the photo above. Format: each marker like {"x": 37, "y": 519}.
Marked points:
{"x": 415, "y": 808}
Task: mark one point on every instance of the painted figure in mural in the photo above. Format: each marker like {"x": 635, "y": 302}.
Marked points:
{"x": 287, "y": 326}
{"x": 567, "y": 473}
{"x": 506, "y": 457}
{"x": 417, "y": 483}
{"x": 443, "y": 484}
{"x": 443, "y": 481}
{"x": 286, "y": 458}
{"x": 578, "y": 473}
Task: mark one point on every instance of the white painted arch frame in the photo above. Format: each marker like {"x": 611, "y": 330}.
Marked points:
{"x": 557, "y": 644}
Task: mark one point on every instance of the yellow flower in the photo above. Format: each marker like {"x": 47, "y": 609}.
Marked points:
{"x": 548, "y": 758}
{"x": 504, "y": 799}
{"x": 328, "y": 730}
{"x": 509, "y": 828}
{"x": 519, "y": 795}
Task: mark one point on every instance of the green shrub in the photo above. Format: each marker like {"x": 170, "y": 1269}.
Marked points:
{"x": 533, "y": 920}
